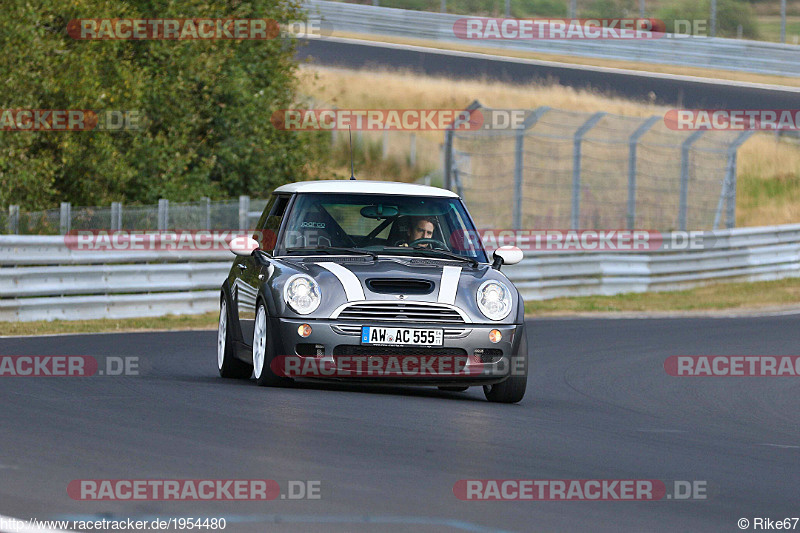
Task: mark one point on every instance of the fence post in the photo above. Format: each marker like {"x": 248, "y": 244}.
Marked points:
{"x": 783, "y": 21}
{"x": 448, "y": 148}
{"x": 412, "y": 155}
{"x": 728, "y": 193}
{"x": 633, "y": 142}
{"x": 13, "y": 220}
{"x": 519, "y": 163}
{"x": 116, "y": 216}
{"x": 448, "y": 159}
{"x": 576, "y": 167}
{"x": 207, "y": 201}
{"x": 713, "y": 17}
{"x": 508, "y": 8}
{"x": 686, "y": 147}
{"x": 66, "y": 218}
{"x": 244, "y": 210}
{"x": 385, "y": 147}
{"x": 163, "y": 214}
{"x": 459, "y": 190}
{"x": 444, "y": 6}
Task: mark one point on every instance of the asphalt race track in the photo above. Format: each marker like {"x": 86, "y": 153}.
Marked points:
{"x": 682, "y": 91}
{"x": 599, "y": 406}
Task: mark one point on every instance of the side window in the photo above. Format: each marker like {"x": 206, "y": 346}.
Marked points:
{"x": 270, "y": 222}
{"x": 263, "y": 218}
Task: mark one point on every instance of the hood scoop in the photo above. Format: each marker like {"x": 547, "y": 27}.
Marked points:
{"x": 399, "y": 286}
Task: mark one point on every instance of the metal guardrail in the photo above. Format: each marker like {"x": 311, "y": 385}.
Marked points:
{"x": 699, "y": 52}
{"x": 42, "y": 279}
{"x": 744, "y": 254}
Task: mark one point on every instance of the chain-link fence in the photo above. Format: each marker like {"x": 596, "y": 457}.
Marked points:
{"x": 568, "y": 169}
{"x": 166, "y": 215}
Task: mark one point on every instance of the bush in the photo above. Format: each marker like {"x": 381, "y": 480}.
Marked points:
{"x": 207, "y": 106}
{"x": 730, "y": 14}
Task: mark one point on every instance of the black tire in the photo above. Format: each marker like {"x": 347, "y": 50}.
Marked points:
{"x": 227, "y": 363}
{"x": 265, "y": 377}
{"x": 512, "y": 390}
{"x": 454, "y": 389}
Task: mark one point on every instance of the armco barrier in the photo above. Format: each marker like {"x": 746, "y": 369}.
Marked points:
{"x": 41, "y": 279}
{"x": 699, "y": 52}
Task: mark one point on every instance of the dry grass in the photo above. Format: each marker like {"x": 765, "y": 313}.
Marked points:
{"x": 769, "y": 182}
{"x": 744, "y": 296}
{"x": 107, "y": 325}
{"x": 768, "y": 169}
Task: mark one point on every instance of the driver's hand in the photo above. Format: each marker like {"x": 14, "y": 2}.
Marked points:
{"x": 404, "y": 245}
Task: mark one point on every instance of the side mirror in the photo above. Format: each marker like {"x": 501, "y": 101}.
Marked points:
{"x": 506, "y": 255}
{"x": 243, "y": 246}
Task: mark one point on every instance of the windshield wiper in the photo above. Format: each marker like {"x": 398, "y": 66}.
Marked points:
{"x": 427, "y": 251}
{"x": 332, "y": 250}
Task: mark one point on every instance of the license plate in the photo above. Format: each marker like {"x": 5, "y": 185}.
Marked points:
{"x": 402, "y": 336}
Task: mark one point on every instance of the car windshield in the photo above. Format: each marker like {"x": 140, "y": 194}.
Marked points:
{"x": 385, "y": 224}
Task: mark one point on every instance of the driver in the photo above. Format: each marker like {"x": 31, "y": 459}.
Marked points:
{"x": 421, "y": 228}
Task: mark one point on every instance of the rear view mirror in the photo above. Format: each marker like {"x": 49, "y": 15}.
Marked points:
{"x": 379, "y": 211}
{"x": 506, "y": 255}
{"x": 243, "y": 246}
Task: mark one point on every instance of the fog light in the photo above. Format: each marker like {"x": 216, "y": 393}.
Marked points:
{"x": 495, "y": 336}
{"x": 304, "y": 330}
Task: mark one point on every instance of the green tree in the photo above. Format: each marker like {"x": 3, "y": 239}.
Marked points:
{"x": 207, "y": 105}
{"x": 730, "y": 14}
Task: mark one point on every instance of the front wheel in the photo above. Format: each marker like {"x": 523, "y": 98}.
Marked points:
{"x": 264, "y": 353}
{"x": 229, "y": 366}
{"x": 512, "y": 389}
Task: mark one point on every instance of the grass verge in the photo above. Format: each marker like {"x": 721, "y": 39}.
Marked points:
{"x": 170, "y": 322}
{"x": 744, "y": 296}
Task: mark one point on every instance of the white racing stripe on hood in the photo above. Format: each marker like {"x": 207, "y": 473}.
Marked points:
{"x": 352, "y": 286}
{"x": 451, "y": 275}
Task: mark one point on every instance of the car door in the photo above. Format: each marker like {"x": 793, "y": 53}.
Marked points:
{"x": 245, "y": 288}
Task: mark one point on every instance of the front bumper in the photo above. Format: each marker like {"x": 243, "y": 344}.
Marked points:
{"x": 467, "y": 356}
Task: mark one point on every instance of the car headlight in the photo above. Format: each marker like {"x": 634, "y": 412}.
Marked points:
{"x": 494, "y": 300}
{"x": 302, "y": 294}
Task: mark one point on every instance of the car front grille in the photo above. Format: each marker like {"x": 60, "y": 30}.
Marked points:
{"x": 423, "y": 313}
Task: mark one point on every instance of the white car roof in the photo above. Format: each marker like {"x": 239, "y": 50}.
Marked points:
{"x": 365, "y": 187}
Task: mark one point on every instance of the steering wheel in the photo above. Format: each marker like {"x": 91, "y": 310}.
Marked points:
{"x": 435, "y": 243}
